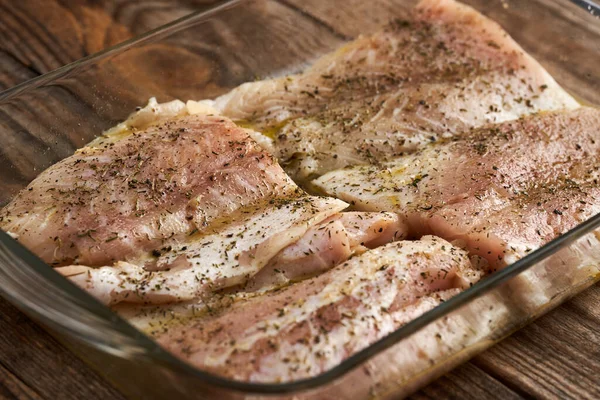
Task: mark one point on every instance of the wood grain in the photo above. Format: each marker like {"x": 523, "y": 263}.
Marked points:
{"x": 32, "y": 363}
{"x": 556, "y": 357}
{"x": 466, "y": 382}
{"x": 12, "y": 387}
{"x": 37, "y": 39}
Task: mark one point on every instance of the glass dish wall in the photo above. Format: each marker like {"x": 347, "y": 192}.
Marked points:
{"x": 209, "y": 53}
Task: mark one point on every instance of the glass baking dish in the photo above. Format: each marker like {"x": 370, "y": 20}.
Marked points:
{"x": 208, "y": 53}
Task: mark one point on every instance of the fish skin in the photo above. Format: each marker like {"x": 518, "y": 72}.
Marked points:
{"x": 306, "y": 328}
{"x": 444, "y": 71}
{"x": 117, "y": 200}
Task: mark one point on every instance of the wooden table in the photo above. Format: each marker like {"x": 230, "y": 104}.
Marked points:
{"x": 558, "y": 356}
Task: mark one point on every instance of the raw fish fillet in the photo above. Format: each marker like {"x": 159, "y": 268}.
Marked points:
{"x": 181, "y": 219}
{"x": 504, "y": 190}
{"x": 120, "y": 198}
{"x": 310, "y": 326}
{"x": 434, "y": 76}
{"x": 267, "y": 237}
{"x": 500, "y": 192}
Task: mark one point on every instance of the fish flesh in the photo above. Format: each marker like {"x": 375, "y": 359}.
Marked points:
{"x": 436, "y": 75}
{"x": 124, "y": 196}
{"x": 257, "y": 248}
{"x": 201, "y": 263}
{"x": 456, "y": 151}
{"x": 484, "y": 189}
{"x": 501, "y": 192}
{"x": 313, "y": 325}
{"x": 328, "y": 244}
{"x": 180, "y": 209}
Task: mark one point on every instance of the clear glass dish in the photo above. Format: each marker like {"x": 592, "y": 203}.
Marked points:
{"x": 208, "y": 53}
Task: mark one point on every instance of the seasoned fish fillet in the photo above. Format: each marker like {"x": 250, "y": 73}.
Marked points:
{"x": 457, "y": 151}
{"x": 177, "y": 210}
{"x": 500, "y": 191}
{"x": 328, "y": 244}
{"x": 322, "y": 247}
{"x": 444, "y": 71}
{"x": 182, "y": 208}
{"x": 204, "y": 262}
{"x": 249, "y": 243}
{"x": 503, "y": 190}
{"x": 122, "y": 197}
{"x": 311, "y": 326}
{"x": 459, "y": 335}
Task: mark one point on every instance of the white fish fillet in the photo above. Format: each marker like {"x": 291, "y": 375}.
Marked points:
{"x": 310, "y": 326}
{"x": 207, "y": 262}
{"x": 446, "y": 70}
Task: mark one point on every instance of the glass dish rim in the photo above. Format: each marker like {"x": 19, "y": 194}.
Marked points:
{"x": 155, "y": 352}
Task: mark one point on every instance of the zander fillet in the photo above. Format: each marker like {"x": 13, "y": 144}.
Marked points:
{"x": 436, "y": 75}
{"x": 117, "y": 199}
{"x": 328, "y": 244}
{"x": 322, "y": 247}
{"x": 180, "y": 209}
{"x": 306, "y": 328}
{"x": 198, "y": 265}
{"x": 231, "y": 256}
{"x": 181, "y": 219}
{"x": 502, "y": 191}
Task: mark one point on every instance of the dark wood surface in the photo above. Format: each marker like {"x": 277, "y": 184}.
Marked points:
{"x": 558, "y": 356}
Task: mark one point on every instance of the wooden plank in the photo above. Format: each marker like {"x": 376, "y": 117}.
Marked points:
{"x": 40, "y": 362}
{"x": 466, "y": 382}
{"x": 40, "y": 39}
{"x": 356, "y": 17}
{"x": 12, "y": 387}
{"x": 558, "y": 356}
